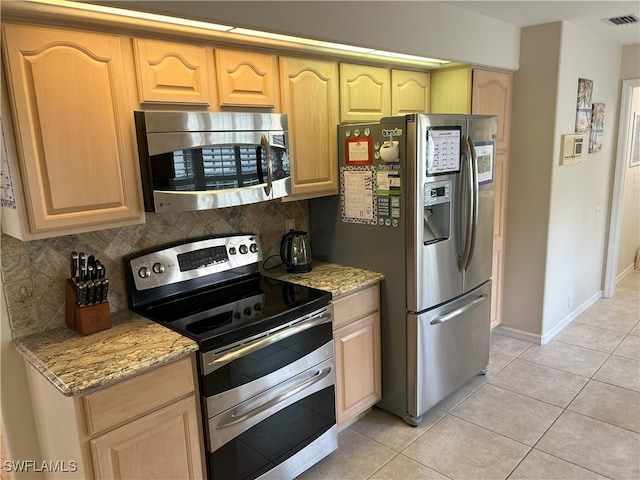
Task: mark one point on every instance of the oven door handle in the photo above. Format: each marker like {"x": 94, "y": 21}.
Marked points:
{"x": 292, "y": 387}
{"x": 263, "y": 342}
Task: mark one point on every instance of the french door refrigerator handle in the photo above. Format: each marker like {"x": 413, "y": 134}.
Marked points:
{"x": 468, "y": 221}
{"x": 476, "y": 200}
{"x": 458, "y": 311}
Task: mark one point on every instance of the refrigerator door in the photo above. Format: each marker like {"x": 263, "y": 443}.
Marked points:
{"x": 434, "y": 242}
{"x": 447, "y": 346}
{"x": 482, "y": 132}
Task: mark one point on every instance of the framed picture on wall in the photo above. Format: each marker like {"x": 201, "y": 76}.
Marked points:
{"x": 634, "y": 159}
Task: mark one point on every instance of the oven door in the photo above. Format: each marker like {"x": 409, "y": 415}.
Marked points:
{"x": 270, "y": 403}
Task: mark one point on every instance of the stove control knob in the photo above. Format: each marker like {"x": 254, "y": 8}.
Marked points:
{"x": 257, "y": 307}
{"x": 247, "y": 311}
{"x": 232, "y": 250}
{"x": 144, "y": 272}
{"x": 253, "y": 247}
{"x": 158, "y": 268}
{"x": 243, "y": 249}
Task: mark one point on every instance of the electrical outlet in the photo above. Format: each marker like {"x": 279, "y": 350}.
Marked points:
{"x": 289, "y": 224}
{"x": 570, "y": 300}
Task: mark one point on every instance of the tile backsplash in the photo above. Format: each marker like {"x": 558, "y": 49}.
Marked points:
{"x": 34, "y": 272}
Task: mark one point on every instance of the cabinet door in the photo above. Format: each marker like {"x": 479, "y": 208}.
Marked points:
{"x": 170, "y": 72}
{"x": 246, "y": 78}
{"x": 358, "y": 375}
{"x": 73, "y": 123}
{"x": 365, "y": 92}
{"x": 309, "y": 93}
{"x": 409, "y": 92}
{"x": 492, "y": 96}
{"x": 451, "y": 90}
{"x": 161, "y": 445}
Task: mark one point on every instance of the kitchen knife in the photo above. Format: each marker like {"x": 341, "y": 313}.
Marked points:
{"x": 91, "y": 272}
{"x": 105, "y": 289}
{"x": 74, "y": 266}
{"x": 91, "y": 261}
{"x": 91, "y": 293}
{"x": 82, "y": 294}
{"x": 98, "y": 286}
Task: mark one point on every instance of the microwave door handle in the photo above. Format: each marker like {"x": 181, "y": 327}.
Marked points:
{"x": 264, "y": 141}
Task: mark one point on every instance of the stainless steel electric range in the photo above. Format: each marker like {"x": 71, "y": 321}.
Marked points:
{"x": 266, "y": 357}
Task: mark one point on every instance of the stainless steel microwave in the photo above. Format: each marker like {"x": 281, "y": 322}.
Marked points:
{"x": 203, "y": 160}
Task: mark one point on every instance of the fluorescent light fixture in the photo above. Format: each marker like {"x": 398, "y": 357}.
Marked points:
{"x": 137, "y": 15}
{"x": 405, "y": 56}
{"x": 300, "y": 40}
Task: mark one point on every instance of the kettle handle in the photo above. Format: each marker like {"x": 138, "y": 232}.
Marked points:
{"x": 284, "y": 247}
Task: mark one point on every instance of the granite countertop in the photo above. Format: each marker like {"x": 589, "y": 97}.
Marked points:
{"x": 337, "y": 279}
{"x": 76, "y": 364}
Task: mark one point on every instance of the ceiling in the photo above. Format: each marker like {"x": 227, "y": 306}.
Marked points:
{"x": 521, "y": 13}
{"x": 585, "y": 14}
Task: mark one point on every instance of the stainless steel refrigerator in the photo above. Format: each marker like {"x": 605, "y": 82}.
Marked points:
{"x": 416, "y": 204}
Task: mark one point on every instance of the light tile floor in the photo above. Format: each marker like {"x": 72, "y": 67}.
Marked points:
{"x": 566, "y": 410}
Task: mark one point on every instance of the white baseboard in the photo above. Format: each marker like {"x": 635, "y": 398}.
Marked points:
{"x": 624, "y": 273}
{"x": 544, "y": 339}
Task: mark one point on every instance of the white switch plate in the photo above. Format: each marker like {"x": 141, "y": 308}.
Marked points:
{"x": 571, "y": 147}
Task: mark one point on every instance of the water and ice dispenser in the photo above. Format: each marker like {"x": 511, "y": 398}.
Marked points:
{"x": 437, "y": 211}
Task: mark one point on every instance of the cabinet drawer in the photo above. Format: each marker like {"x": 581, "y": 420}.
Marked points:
{"x": 141, "y": 394}
{"x": 356, "y": 305}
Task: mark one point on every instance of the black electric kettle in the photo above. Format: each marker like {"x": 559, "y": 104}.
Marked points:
{"x": 295, "y": 251}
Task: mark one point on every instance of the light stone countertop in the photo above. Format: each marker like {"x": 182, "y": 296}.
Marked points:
{"x": 337, "y": 279}
{"x": 77, "y": 364}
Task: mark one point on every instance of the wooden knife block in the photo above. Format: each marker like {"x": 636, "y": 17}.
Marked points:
{"x": 85, "y": 320}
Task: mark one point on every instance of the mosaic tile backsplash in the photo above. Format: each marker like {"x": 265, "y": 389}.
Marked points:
{"x": 34, "y": 272}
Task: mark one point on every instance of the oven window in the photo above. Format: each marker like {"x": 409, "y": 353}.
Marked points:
{"x": 275, "y": 439}
{"x": 266, "y": 360}
{"x": 217, "y": 168}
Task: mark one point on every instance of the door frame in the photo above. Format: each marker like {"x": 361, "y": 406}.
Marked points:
{"x": 615, "y": 225}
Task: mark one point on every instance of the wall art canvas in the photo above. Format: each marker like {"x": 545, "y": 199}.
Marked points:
{"x": 583, "y": 106}
{"x": 597, "y": 128}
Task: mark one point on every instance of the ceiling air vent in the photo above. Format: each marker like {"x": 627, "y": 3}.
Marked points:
{"x": 622, "y": 20}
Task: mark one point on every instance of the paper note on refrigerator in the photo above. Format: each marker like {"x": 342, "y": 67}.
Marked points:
{"x": 357, "y": 195}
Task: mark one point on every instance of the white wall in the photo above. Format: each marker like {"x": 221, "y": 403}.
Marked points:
{"x": 630, "y": 225}
{"x": 577, "y": 233}
{"x": 532, "y": 135}
{"x": 431, "y": 29}
{"x": 630, "y": 228}
{"x": 553, "y": 201}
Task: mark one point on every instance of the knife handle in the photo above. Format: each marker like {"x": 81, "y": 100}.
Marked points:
{"x": 82, "y": 294}
{"x": 98, "y": 286}
{"x": 105, "y": 289}
{"x": 74, "y": 265}
{"x": 91, "y": 293}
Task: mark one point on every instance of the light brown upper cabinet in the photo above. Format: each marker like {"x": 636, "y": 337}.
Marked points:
{"x": 72, "y": 112}
{"x": 409, "y": 92}
{"x": 365, "y": 93}
{"x": 309, "y": 93}
{"x": 491, "y": 95}
{"x": 246, "y": 79}
{"x": 169, "y": 72}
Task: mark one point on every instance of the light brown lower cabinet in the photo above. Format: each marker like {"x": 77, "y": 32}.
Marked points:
{"x": 147, "y": 426}
{"x": 356, "y": 337}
